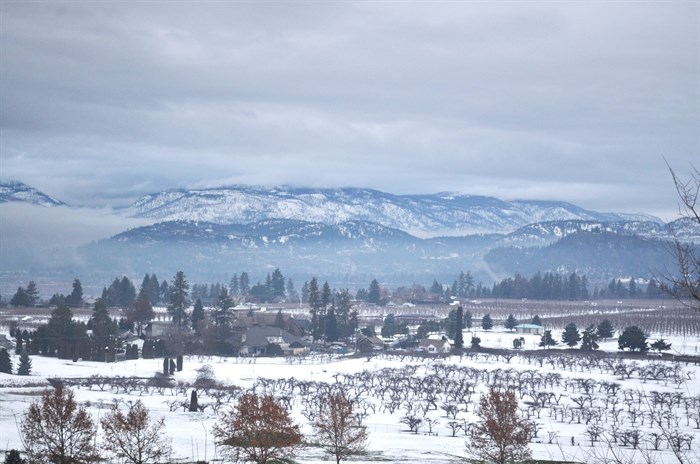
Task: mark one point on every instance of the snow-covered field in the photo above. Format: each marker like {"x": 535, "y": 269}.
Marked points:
{"x": 390, "y": 441}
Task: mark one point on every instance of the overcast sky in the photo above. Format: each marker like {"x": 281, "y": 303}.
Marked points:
{"x": 579, "y": 101}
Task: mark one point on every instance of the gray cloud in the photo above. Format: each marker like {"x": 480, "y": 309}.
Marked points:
{"x": 578, "y": 101}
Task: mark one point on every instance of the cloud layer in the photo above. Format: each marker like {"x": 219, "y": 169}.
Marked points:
{"x": 579, "y": 101}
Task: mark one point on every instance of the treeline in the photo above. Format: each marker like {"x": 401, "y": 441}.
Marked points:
{"x": 549, "y": 286}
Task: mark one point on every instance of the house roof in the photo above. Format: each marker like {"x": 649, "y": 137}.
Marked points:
{"x": 258, "y": 336}
{"x": 437, "y": 343}
{"x": 528, "y": 326}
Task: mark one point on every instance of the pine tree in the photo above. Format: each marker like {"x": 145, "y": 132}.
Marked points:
{"x": 179, "y": 300}
{"x": 546, "y": 340}
{"x": 32, "y": 293}
{"x": 570, "y": 336}
{"x": 459, "y": 338}
{"x": 76, "y": 296}
{"x": 25, "y": 364}
{"x": 374, "y": 292}
{"x": 511, "y": 322}
{"x": 487, "y": 322}
{"x": 197, "y": 313}
{"x": 5, "y": 361}
{"x": 315, "y": 309}
{"x": 605, "y": 329}
{"x": 278, "y": 284}
{"x": 589, "y": 339}
{"x": 634, "y": 339}
{"x": 331, "y": 330}
{"x": 536, "y": 320}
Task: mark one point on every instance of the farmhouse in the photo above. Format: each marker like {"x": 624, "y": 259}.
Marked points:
{"x": 432, "y": 345}
{"x": 267, "y": 341}
{"x": 369, "y": 344}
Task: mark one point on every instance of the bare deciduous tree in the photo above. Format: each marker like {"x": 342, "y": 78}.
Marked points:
{"x": 259, "y": 429}
{"x": 338, "y": 430}
{"x": 500, "y": 435}
{"x": 133, "y": 436}
{"x": 685, "y": 285}
{"x": 58, "y": 431}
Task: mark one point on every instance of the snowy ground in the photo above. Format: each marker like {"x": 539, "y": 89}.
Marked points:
{"x": 389, "y": 439}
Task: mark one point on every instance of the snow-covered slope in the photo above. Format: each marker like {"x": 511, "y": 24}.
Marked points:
{"x": 544, "y": 233}
{"x": 13, "y": 191}
{"x": 441, "y": 213}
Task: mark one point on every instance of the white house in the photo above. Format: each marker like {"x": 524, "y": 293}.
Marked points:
{"x": 431, "y": 345}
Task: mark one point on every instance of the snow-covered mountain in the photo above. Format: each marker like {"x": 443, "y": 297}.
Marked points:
{"x": 423, "y": 215}
{"x": 14, "y": 191}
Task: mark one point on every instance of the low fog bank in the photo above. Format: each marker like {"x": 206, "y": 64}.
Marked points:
{"x": 34, "y": 238}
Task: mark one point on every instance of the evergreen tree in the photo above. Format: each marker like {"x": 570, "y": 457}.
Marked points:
{"x": 659, "y": 345}
{"x": 633, "y": 288}
{"x": 315, "y": 309}
{"x": 605, "y": 329}
{"x": 244, "y": 283}
{"x": 305, "y": 293}
{"x": 279, "y": 319}
{"x": 223, "y": 316}
{"x": 546, "y": 340}
{"x": 233, "y": 285}
{"x": 511, "y": 322}
{"x": 104, "y": 333}
{"x": 127, "y": 292}
{"x": 571, "y": 336}
{"x": 467, "y": 320}
{"x": 292, "y": 294}
{"x": 589, "y": 339}
{"x": 278, "y": 284}
{"x": 633, "y": 338}
{"x": 32, "y": 293}
{"x": 179, "y": 301}
{"x": 487, "y": 322}
{"x": 76, "y": 296}
{"x": 536, "y": 320}
{"x": 25, "y": 363}
{"x": 20, "y": 298}
{"x": 331, "y": 329}
{"x": 5, "y": 361}
{"x": 343, "y": 309}
{"x": 459, "y": 338}
{"x": 374, "y": 292}
{"x": 197, "y": 313}
{"x": 436, "y": 288}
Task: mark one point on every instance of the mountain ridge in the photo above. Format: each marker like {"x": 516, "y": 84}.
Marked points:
{"x": 16, "y": 191}
{"x": 443, "y": 213}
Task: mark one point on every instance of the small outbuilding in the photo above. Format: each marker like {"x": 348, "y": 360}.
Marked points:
{"x": 532, "y": 329}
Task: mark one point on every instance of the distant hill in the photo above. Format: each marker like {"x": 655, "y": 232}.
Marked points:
{"x": 600, "y": 255}
{"x": 14, "y": 191}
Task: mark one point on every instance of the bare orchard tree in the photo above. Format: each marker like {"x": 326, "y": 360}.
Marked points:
{"x": 258, "y": 430}
{"x": 500, "y": 435}
{"x": 685, "y": 285}
{"x": 58, "y": 431}
{"x": 338, "y": 429}
{"x": 133, "y": 437}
